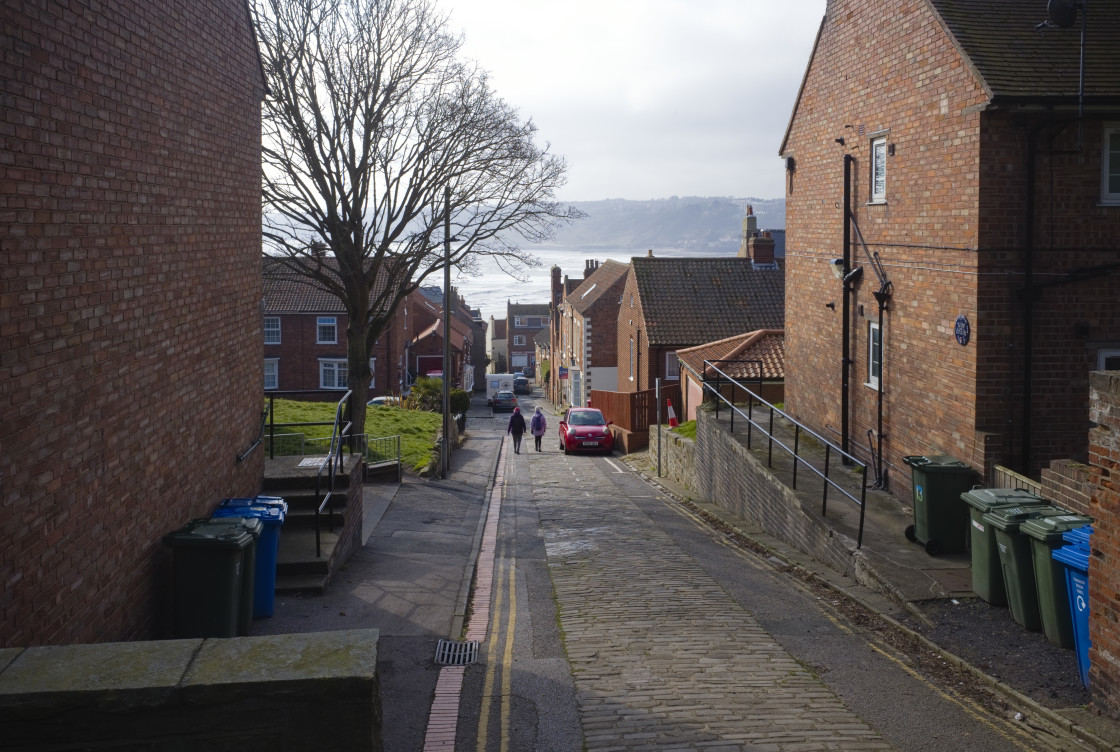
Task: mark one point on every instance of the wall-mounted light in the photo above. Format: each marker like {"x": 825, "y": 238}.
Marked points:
{"x": 791, "y": 165}
{"x": 837, "y": 266}
{"x": 890, "y": 150}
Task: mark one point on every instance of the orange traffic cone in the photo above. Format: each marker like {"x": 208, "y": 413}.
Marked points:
{"x": 672, "y": 415}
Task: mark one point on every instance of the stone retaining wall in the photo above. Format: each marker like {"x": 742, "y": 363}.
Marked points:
{"x": 280, "y": 693}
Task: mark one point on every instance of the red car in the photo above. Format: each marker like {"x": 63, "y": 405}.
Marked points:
{"x": 585, "y": 429}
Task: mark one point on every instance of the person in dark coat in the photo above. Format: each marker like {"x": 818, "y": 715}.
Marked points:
{"x": 516, "y": 429}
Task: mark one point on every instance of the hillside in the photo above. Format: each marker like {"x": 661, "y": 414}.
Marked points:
{"x": 692, "y": 223}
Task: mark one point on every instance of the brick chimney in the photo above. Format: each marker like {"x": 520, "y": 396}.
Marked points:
{"x": 589, "y": 267}
{"x": 760, "y": 249}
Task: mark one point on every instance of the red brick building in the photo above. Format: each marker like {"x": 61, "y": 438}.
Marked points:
{"x": 587, "y": 337}
{"x": 523, "y": 322}
{"x": 669, "y": 304}
{"x": 130, "y": 289}
{"x": 305, "y": 338}
{"x": 985, "y": 215}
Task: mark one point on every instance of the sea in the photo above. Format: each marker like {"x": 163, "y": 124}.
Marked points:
{"x": 491, "y": 289}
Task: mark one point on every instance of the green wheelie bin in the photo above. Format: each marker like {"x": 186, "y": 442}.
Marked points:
{"x": 987, "y": 574}
{"x": 1016, "y": 561}
{"x": 249, "y": 575}
{"x": 1045, "y": 534}
{"x": 940, "y": 517}
{"x": 207, "y": 581}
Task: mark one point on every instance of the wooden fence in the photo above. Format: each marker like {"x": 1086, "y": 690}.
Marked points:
{"x": 636, "y": 411}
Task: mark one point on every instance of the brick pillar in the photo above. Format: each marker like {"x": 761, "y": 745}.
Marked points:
{"x": 761, "y": 249}
{"x": 1104, "y": 586}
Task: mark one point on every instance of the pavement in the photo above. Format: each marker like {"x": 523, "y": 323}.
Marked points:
{"x": 422, "y": 539}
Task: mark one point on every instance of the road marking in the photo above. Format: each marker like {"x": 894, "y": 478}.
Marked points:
{"x": 488, "y": 682}
{"x": 507, "y": 657}
{"x": 617, "y": 468}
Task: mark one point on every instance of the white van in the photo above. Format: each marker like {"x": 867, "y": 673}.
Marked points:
{"x": 497, "y": 382}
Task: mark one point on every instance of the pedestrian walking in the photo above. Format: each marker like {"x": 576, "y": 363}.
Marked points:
{"x": 538, "y": 425}
{"x": 516, "y": 429}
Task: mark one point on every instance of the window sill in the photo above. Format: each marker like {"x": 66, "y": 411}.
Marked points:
{"x": 869, "y": 385}
{"x": 877, "y": 202}
{"x": 1108, "y": 202}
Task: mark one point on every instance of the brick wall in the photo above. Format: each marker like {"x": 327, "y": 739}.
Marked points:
{"x": 950, "y": 235}
{"x": 130, "y": 288}
{"x": 631, "y": 328}
{"x": 1069, "y": 484}
{"x": 1104, "y": 564}
{"x": 730, "y": 476}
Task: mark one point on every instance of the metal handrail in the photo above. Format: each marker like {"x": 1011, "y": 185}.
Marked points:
{"x": 829, "y": 447}
{"x": 260, "y": 435}
{"x": 339, "y": 434}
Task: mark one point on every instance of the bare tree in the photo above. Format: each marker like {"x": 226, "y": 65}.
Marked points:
{"x": 370, "y": 115}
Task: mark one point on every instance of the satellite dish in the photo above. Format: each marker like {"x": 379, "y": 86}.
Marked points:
{"x": 1063, "y": 13}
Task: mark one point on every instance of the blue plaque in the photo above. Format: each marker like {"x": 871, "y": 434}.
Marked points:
{"x": 962, "y": 330}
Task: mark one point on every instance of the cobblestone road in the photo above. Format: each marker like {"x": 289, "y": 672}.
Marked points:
{"x": 661, "y": 655}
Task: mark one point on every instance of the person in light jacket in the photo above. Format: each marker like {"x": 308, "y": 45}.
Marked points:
{"x": 516, "y": 429}
{"x": 537, "y": 426}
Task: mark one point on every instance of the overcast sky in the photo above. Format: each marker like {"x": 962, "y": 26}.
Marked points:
{"x": 650, "y": 98}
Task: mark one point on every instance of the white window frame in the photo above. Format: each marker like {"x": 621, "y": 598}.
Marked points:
{"x": 878, "y": 188}
{"x": 322, "y": 323}
{"x": 874, "y": 355}
{"x": 631, "y": 358}
{"x": 1110, "y": 164}
{"x": 1105, "y": 354}
{"x": 272, "y": 333}
{"x": 672, "y": 366}
{"x": 517, "y": 321}
{"x": 519, "y": 339}
{"x": 331, "y": 372}
{"x": 271, "y": 373}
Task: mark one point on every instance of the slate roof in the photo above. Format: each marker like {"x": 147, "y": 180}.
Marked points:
{"x": 288, "y": 291}
{"x": 687, "y": 301}
{"x": 767, "y": 345}
{"x": 528, "y": 309}
{"x": 593, "y": 287}
{"x": 1016, "y": 61}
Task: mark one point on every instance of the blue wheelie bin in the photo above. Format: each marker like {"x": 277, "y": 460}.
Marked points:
{"x": 272, "y": 518}
{"x": 1075, "y": 556}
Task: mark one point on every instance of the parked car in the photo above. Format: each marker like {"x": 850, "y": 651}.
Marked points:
{"x": 585, "y": 429}
{"x": 385, "y": 399}
{"x": 504, "y": 400}
{"x": 521, "y": 385}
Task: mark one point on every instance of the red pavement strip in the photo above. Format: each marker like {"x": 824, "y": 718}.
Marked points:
{"x": 444, "y": 717}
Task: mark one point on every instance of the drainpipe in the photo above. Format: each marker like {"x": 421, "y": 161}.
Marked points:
{"x": 846, "y": 336}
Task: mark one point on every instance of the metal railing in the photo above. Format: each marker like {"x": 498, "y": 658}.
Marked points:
{"x": 340, "y": 434}
{"x": 712, "y": 389}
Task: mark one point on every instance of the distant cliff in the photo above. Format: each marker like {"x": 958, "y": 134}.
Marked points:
{"x": 707, "y": 224}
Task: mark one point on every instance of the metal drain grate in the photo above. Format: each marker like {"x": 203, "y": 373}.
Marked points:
{"x": 453, "y": 653}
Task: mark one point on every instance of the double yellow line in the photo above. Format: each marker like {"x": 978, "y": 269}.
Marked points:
{"x": 504, "y": 621}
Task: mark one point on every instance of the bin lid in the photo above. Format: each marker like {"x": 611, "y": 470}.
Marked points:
{"x": 272, "y": 515}
{"x": 1079, "y": 536}
{"x": 250, "y": 525}
{"x": 938, "y": 463}
{"x": 1073, "y": 556}
{"x": 208, "y": 534}
{"x": 1050, "y": 529}
{"x": 256, "y": 501}
{"x": 1010, "y": 518}
{"x": 987, "y": 499}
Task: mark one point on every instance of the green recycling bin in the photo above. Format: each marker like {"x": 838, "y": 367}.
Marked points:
{"x": 249, "y": 574}
{"x": 1016, "y": 561}
{"x": 207, "y": 578}
{"x": 987, "y": 574}
{"x": 1045, "y": 534}
{"x": 940, "y": 517}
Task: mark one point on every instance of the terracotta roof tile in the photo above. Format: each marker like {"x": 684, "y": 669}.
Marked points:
{"x": 692, "y": 300}
{"x": 593, "y": 288}
{"x": 766, "y": 345}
